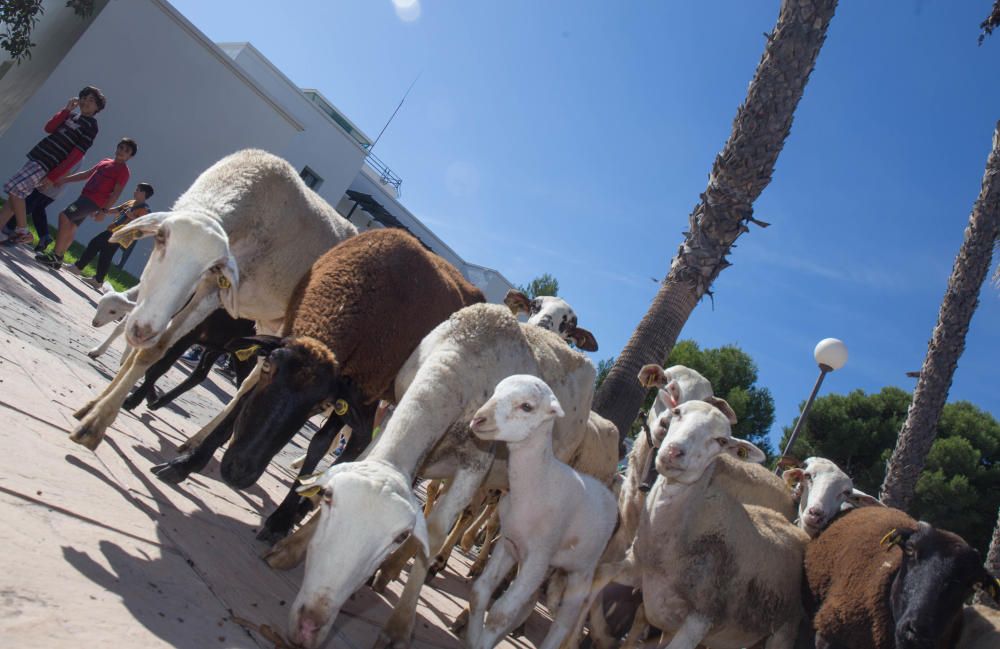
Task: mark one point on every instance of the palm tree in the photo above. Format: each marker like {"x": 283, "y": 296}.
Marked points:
{"x": 948, "y": 339}
{"x": 739, "y": 174}
{"x": 992, "y": 22}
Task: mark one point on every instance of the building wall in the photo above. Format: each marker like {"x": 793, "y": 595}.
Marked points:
{"x": 168, "y": 88}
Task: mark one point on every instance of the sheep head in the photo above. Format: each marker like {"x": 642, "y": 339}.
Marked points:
{"x": 822, "y": 490}
{"x": 191, "y": 261}
{"x": 299, "y": 376}
{"x": 111, "y": 307}
{"x": 552, "y": 313}
{"x": 367, "y": 510}
{"x": 520, "y": 405}
{"x": 696, "y": 432}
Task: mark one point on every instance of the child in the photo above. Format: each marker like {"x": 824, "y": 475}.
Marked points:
{"x": 71, "y": 136}
{"x": 100, "y": 247}
{"x": 105, "y": 182}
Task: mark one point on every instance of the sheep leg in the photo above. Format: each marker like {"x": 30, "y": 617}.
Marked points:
{"x": 492, "y": 527}
{"x": 208, "y": 357}
{"x": 100, "y": 413}
{"x": 157, "y": 370}
{"x": 692, "y": 631}
{"x": 124, "y": 371}
{"x": 469, "y": 538}
{"x": 784, "y": 637}
{"x": 501, "y": 562}
{"x": 569, "y": 619}
{"x": 636, "y": 634}
{"x": 517, "y": 602}
{"x": 441, "y": 559}
{"x": 282, "y": 519}
{"x": 103, "y": 347}
{"x": 195, "y": 440}
{"x": 178, "y": 469}
{"x": 433, "y": 491}
{"x": 466, "y": 481}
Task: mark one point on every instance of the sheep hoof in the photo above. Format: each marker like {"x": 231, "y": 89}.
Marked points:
{"x": 269, "y": 535}
{"x": 462, "y": 621}
{"x": 82, "y": 412}
{"x": 175, "y": 471}
{"x": 94, "y": 353}
{"x": 88, "y": 435}
{"x": 380, "y": 582}
{"x": 386, "y": 641}
{"x": 284, "y": 556}
{"x": 132, "y": 401}
{"x": 519, "y": 631}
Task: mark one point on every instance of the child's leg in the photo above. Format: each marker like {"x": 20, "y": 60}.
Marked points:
{"x": 64, "y": 237}
{"x": 36, "y": 204}
{"x": 6, "y": 212}
{"x": 107, "y": 254}
{"x": 95, "y": 246}
{"x": 20, "y": 211}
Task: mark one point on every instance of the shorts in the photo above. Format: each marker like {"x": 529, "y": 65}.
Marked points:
{"x": 25, "y": 180}
{"x": 80, "y": 209}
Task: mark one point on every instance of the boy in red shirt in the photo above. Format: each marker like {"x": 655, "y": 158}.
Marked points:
{"x": 105, "y": 182}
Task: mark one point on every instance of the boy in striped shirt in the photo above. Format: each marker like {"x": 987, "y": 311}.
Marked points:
{"x": 71, "y": 134}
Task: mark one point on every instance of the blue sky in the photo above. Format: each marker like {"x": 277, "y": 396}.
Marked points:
{"x": 574, "y": 138}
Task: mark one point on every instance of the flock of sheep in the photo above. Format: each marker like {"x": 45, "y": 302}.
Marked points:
{"x": 697, "y": 541}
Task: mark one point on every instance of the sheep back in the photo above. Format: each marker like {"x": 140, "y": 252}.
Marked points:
{"x": 753, "y": 484}
{"x": 597, "y": 454}
{"x": 371, "y": 300}
{"x": 849, "y": 577}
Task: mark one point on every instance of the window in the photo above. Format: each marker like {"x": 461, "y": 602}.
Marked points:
{"x": 311, "y": 178}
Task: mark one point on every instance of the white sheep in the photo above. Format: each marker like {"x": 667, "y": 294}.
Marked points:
{"x": 713, "y": 568}
{"x": 113, "y": 306}
{"x": 551, "y": 517}
{"x": 446, "y": 379}
{"x": 240, "y": 237}
{"x": 822, "y": 490}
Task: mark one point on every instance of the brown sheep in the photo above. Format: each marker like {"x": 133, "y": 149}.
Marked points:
{"x": 352, "y": 322}
{"x": 878, "y": 579}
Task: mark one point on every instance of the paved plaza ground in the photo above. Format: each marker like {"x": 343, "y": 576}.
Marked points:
{"x": 96, "y": 550}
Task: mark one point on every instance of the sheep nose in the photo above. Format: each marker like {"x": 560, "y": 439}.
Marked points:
{"x": 674, "y": 452}
{"x": 477, "y": 422}
{"x": 815, "y": 512}
{"x": 912, "y": 630}
{"x": 142, "y": 332}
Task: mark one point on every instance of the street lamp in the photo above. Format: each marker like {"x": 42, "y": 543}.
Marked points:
{"x": 830, "y": 355}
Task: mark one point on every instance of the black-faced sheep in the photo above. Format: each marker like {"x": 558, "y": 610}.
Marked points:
{"x": 352, "y": 322}
{"x": 878, "y": 579}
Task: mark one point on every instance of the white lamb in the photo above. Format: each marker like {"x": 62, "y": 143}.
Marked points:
{"x": 113, "y": 306}
{"x": 822, "y": 490}
{"x": 240, "y": 237}
{"x": 552, "y": 517}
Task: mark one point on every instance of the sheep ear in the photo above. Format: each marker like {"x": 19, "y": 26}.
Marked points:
{"x": 664, "y": 401}
{"x": 792, "y": 477}
{"x": 652, "y": 376}
{"x": 723, "y": 406}
{"x": 227, "y": 275}
{"x": 517, "y": 302}
{"x": 741, "y": 449}
{"x": 556, "y": 408}
{"x": 584, "y": 339}
{"x": 142, "y": 227}
{"x": 859, "y": 498}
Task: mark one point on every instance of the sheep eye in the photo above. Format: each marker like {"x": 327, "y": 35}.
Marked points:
{"x": 527, "y": 407}
{"x": 400, "y": 537}
{"x": 676, "y": 412}
{"x": 807, "y": 477}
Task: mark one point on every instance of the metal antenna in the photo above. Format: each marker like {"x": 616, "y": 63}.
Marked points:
{"x": 395, "y": 111}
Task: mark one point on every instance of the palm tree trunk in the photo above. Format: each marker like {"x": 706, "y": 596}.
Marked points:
{"x": 739, "y": 174}
{"x": 992, "y": 566}
{"x": 948, "y": 339}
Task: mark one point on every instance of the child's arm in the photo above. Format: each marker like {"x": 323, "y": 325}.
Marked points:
{"x": 99, "y": 216}
{"x": 77, "y": 177}
{"x": 60, "y": 117}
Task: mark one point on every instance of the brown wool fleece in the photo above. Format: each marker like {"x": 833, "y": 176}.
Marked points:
{"x": 850, "y": 575}
{"x": 370, "y": 301}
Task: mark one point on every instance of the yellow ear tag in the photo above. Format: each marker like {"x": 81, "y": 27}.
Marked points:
{"x": 127, "y": 239}
{"x": 309, "y": 479}
{"x": 340, "y": 407}
{"x": 243, "y": 354}
{"x": 890, "y": 539}
{"x": 224, "y": 282}
{"x": 309, "y": 492}
{"x": 743, "y": 453}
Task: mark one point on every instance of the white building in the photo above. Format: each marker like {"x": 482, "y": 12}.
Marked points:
{"x": 188, "y": 102}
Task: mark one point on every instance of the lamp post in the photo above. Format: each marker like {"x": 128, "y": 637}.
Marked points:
{"x": 830, "y": 355}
